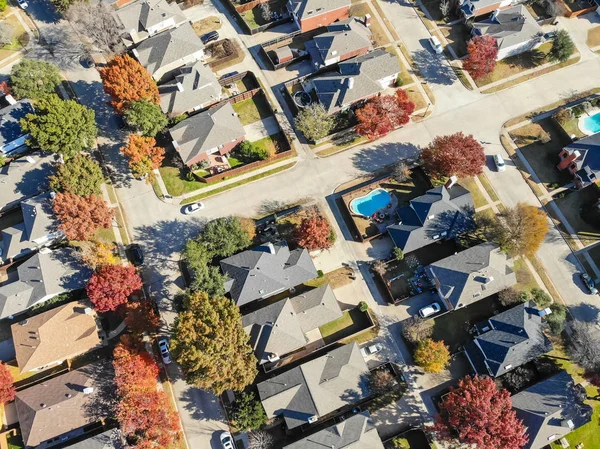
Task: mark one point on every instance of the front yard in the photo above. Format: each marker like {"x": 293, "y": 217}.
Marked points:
{"x": 336, "y": 278}
{"x": 571, "y": 205}
{"x": 20, "y": 37}
{"x": 457, "y": 36}
{"x": 379, "y": 37}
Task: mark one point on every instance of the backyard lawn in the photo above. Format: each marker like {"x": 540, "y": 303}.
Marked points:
{"x": 378, "y": 33}
{"x": 15, "y": 441}
{"x": 253, "y": 109}
{"x": 176, "y": 182}
{"x": 254, "y": 17}
{"x": 273, "y": 144}
{"x": 206, "y": 25}
{"x": 351, "y": 322}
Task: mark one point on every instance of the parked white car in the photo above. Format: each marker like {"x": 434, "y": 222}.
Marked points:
{"x": 193, "y": 208}
{"x": 163, "y": 345}
{"x": 429, "y": 310}
{"x": 226, "y": 440}
{"x": 23, "y": 4}
{"x": 436, "y": 45}
{"x": 369, "y": 350}
{"x": 499, "y": 162}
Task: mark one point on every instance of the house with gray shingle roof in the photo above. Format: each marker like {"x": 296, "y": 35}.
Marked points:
{"x": 441, "y": 214}
{"x": 514, "y": 29}
{"x": 110, "y": 439}
{"x": 314, "y": 389}
{"x": 551, "y": 409}
{"x": 344, "y": 40}
{"x": 311, "y": 14}
{"x": 358, "y": 431}
{"x": 165, "y": 52}
{"x": 471, "y": 275}
{"x": 143, "y": 19}
{"x": 195, "y": 87}
{"x": 39, "y": 278}
{"x": 508, "y": 340}
{"x": 12, "y": 138}
{"x": 283, "y": 327}
{"x": 217, "y": 130}
{"x": 357, "y": 79}
{"x": 266, "y": 270}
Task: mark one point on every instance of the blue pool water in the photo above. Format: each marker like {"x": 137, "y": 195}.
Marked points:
{"x": 592, "y": 123}
{"x": 369, "y": 204}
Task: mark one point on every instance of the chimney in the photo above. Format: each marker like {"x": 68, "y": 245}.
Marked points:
{"x": 451, "y": 182}
{"x": 179, "y": 86}
{"x": 567, "y": 423}
{"x": 10, "y": 99}
{"x": 271, "y": 248}
{"x": 367, "y": 20}
{"x": 350, "y": 83}
{"x": 88, "y": 390}
{"x": 494, "y": 17}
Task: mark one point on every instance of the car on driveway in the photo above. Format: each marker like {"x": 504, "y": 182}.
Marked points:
{"x": 135, "y": 254}
{"x": 23, "y": 4}
{"x": 226, "y": 440}
{"x": 429, "y": 310}
{"x": 370, "y": 350}
{"x": 436, "y": 45}
{"x": 589, "y": 283}
{"x": 163, "y": 345}
{"x": 209, "y": 37}
{"x": 193, "y": 208}
{"x": 499, "y": 162}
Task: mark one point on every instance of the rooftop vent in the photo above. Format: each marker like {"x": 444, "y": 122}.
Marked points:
{"x": 87, "y": 311}
{"x": 312, "y": 419}
{"x": 88, "y": 390}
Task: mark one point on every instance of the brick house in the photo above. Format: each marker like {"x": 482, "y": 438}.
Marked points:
{"x": 311, "y": 14}
{"x": 582, "y": 160}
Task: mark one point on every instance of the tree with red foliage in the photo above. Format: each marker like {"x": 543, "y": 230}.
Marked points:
{"x": 111, "y": 285}
{"x": 126, "y": 80}
{"x": 383, "y": 114}
{"x": 81, "y": 216}
{"x": 477, "y": 413}
{"x": 134, "y": 368}
{"x": 140, "y": 316}
{"x": 142, "y": 154}
{"x": 314, "y": 232}
{"x": 7, "y": 389}
{"x": 483, "y": 51}
{"x": 456, "y": 154}
{"x": 5, "y": 88}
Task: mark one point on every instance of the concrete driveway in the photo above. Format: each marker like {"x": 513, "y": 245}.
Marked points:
{"x": 411, "y": 306}
{"x": 261, "y": 129}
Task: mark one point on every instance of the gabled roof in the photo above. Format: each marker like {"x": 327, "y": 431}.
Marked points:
{"x": 358, "y": 431}
{"x": 265, "y": 270}
{"x": 358, "y": 78}
{"x": 23, "y": 178}
{"x": 168, "y": 47}
{"x": 207, "y": 130}
{"x": 472, "y": 274}
{"x": 59, "y": 405}
{"x": 440, "y": 213}
{"x": 511, "y": 26}
{"x": 10, "y": 117}
{"x": 318, "y": 387}
{"x": 194, "y": 85}
{"x": 60, "y": 333}
{"x": 514, "y": 338}
{"x": 342, "y": 38}
{"x": 111, "y": 439}
{"x": 41, "y": 276}
{"x": 280, "y": 328}
{"x": 306, "y": 9}
{"x": 589, "y": 160}
{"x": 141, "y": 15}
{"x": 547, "y": 407}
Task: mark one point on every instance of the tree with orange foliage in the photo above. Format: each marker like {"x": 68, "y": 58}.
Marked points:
{"x": 483, "y": 51}
{"x": 111, "y": 285}
{"x": 314, "y": 232}
{"x": 7, "y": 389}
{"x": 5, "y": 88}
{"x": 95, "y": 253}
{"x": 383, "y": 114}
{"x": 140, "y": 316}
{"x": 134, "y": 368}
{"x": 126, "y": 80}
{"x": 81, "y": 216}
{"x": 143, "y": 155}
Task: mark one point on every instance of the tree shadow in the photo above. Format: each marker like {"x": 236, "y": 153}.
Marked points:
{"x": 104, "y": 403}
{"x": 34, "y": 181}
{"x": 452, "y": 222}
{"x": 43, "y": 11}
{"x": 433, "y": 68}
{"x": 60, "y": 46}
{"x": 383, "y": 154}
{"x": 587, "y": 313}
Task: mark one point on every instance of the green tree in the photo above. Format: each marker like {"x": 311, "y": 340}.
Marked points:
{"x": 314, "y": 122}
{"x": 541, "y": 298}
{"x": 211, "y": 346}
{"x": 363, "y": 306}
{"x": 34, "y": 79}
{"x": 205, "y": 277}
{"x": 248, "y": 413}
{"x": 3, "y": 5}
{"x": 2, "y": 160}
{"x": 80, "y": 175}
{"x": 63, "y": 127}
{"x": 556, "y": 320}
{"x": 224, "y": 237}
{"x": 145, "y": 117}
{"x": 398, "y": 253}
{"x": 562, "y": 47}
{"x": 249, "y": 152}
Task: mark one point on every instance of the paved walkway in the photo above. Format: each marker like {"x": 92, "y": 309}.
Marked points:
{"x": 261, "y": 129}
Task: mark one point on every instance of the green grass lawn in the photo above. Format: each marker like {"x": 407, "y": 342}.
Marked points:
{"x": 105, "y": 235}
{"x": 488, "y": 187}
{"x": 15, "y": 441}
{"x": 176, "y": 182}
{"x": 352, "y": 322}
{"x": 252, "y": 109}
{"x": 272, "y": 144}
{"x": 525, "y": 279}
{"x": 478, "y": 198}
{"x": 337, "y": 325}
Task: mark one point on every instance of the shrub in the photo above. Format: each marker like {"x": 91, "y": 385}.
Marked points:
{"x": 578, "y": 110}
{"x": 320, "y": 273}
{"x": 363, "y": 306}
{"x": 544, "y": 137}
{"x": 381, "y": 381}
{"x": 249, "y": 152}
{"x": 541, "y": 298}
{"x": 399, "y": 81}
{"x": 398, "y": 253}
{"x": 556, "y": 320}
{"x": 3, "y": 5}
{"x": 511, "y": 296}
{"x": 400, "y": 443}
{"x": 562, "y": 116}
{"x": 416, "y": 329}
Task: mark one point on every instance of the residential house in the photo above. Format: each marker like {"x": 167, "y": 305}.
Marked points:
{"x": 514, "y": 29}
{"x": 344, "y": 40}
{"x": 266, "y": 270}
{"x": 471, "y": 275}
{"x": 357, "y": 79}
{"x": 216, "y": 131}
{"x": 143, "y": 19}
{"x": 311, "y": 14}
{"x": 443, "y": 213}
{"x": 39, "y": 228}
{"x": 165, "y": 52}
{"x": 12, "y": 137}
{"x": 508, "y": 340}
{"x": 39, "y": 278}
{"x": 23, "y": 178}
{"x": 288, "y": 325}
{"x": 476, "y": 8}
{"x": 551, "y": 409}
{"x": 358, "y": 431}
{"x": 109, "y": 439}
{"x": 304, "y": 394}
{"x": 64, "y": 407}
{"x": 54, "y": 336}
{"x": 195, "y": 87}
{"x": 582, "y": 159}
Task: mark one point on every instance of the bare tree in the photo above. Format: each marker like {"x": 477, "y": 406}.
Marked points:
{"x": 416, "y": 329}
{"x": 379, "y": 267}
{"x": 7, "y": 33}
{"x": 260, "y": 439}
{"x": 445, "y": 8}
{"x": 265, "y": 12}
{"x": 96, "y": 22}
{"x": 585, "y": 345}
{"x": 60, "y": 46}
{"x": 401, "y": 172}
{"x": 381, "y": 382}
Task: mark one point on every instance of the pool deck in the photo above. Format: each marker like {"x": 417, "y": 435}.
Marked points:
{"x": 389, "y": 210}
{"x": 581, "y": 124}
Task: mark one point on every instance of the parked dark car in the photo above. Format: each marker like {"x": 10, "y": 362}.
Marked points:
{"x": 135, "y": 254}
{"x": 209, "y": 37}
{"x": 589, "y": 283}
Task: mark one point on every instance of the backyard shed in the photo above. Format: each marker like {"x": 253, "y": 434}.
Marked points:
{"x": 283, "y": 54}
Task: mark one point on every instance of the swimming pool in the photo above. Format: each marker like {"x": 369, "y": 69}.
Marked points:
{"x": 591, "y": 124}
{"x": 369, "y": 204}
